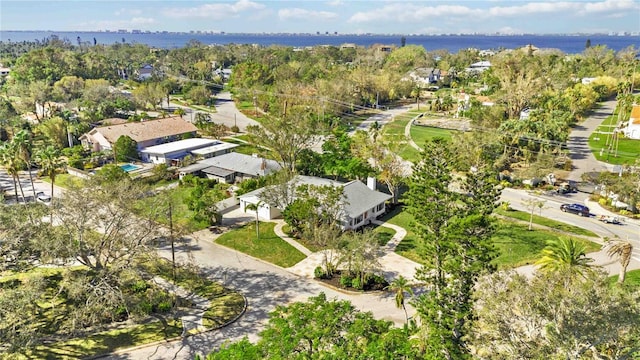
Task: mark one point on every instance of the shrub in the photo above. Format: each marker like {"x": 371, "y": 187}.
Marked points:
{"x": 602, "y": 201}
{"x": 235, "y": 129}
{"x": 139, "y": 286}
{"x": 76, "y": 162}
{"x": 164, "y": 307}
{"x": 345, "y": 280}
{"x": 356, "y": 283}
{"x": 319, "y": 273}
{"x": 144, "y": 308}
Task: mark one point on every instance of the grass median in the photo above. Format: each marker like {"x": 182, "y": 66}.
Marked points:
{"x": 268, "y": 246}
{"x": 516, "y": 244}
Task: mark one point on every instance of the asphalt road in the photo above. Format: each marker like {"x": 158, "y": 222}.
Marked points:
{"x": 265, "y": 287}
{"x": 628, "y": 230}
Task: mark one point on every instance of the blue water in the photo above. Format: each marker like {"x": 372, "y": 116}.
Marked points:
{"x": 570, "y": 44}
{"x": 129, "y": 167}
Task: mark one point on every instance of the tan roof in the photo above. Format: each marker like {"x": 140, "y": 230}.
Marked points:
{"x": 635, "y": 114}
{"x": 146, "y": 130}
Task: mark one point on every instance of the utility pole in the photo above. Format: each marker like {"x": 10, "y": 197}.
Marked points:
{"x": 173, "y": 249}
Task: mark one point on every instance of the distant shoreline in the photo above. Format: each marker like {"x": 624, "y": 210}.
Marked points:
{"x": 569, "y": 44}
{"x": 618, "y": 34}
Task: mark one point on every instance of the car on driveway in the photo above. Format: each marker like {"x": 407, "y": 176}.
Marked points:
{"x": 577, "y": 209}
{"x": 43, "y": 198}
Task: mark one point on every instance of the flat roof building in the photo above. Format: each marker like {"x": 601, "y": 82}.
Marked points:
{"x": 175, "y": 151}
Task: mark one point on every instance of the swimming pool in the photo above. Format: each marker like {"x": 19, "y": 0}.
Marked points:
{"x": 129, "y": 167}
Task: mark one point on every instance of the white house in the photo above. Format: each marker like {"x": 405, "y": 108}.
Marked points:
{"x": 478, "y": 67}
{"x": 362, "y": 203}
{"x": 175, "y": 151}
{"x": 632, "y": 130}
{"x": 145, "y": 72}
{"x": 425, "y": 76}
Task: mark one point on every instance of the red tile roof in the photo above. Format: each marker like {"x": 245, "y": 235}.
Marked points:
{"x": 147, "y": 130}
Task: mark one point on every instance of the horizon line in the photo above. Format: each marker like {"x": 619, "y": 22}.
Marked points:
{"x": 217, "y": 32}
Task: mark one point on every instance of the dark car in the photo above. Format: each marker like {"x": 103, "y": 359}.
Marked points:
{"x": 577, "y": 209}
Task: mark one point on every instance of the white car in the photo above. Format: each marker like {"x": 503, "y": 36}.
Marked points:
{"x": 43, "y": 198}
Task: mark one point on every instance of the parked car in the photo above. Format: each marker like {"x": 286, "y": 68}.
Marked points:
{"x": 43, "y": 198}
{"x": 577, "y": 209}
{"x": 609, "y": 219}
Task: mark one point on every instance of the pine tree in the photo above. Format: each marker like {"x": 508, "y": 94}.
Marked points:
{"x": 454, "y": 227}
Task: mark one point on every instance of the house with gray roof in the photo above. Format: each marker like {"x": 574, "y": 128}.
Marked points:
{"x": 232, "y": 167}
{"x": 362, "y": 203}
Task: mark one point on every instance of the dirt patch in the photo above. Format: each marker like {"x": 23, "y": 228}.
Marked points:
{"x": 446, "y": 123}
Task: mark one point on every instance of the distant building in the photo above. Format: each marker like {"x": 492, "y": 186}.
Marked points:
{"x": 145, "y": 72}
{"x": 478, "y": 67}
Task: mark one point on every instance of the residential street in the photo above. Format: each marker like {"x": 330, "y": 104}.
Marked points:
{"x": 581, "y": 156}
{"x": 265, "y": 287}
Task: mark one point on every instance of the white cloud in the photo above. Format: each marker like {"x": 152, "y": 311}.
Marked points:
{"x": 215, "y": 10}
{"x": 126, "y": 11}
{"x": 534, "y": 8}
{"x": 303, "y": 14}
{"x": 133, "y": 23}
{"x": 509, "y": 30}
{"x": 611, "y": 6}
{"x": 417, "y": 13}
{"x": 335, "y": 3}
{"x": 413, "y": 13}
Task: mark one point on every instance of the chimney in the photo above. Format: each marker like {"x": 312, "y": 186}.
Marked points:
{"x": 371, "y": 183}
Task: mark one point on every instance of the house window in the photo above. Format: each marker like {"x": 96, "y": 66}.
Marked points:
{"x": 380, "y": 207}
{"x": 359, "y": 219}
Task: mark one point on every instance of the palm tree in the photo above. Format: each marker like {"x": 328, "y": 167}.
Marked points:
{"x": 400, "y": 286}
{"x": 623, "y": 250}
{"x": 255, "y": 207}
{"x": 22, "y": 140}
{"x": 49, "y": 160}
{"x": 12, "y": 163}
{"x": 564, "y": 254}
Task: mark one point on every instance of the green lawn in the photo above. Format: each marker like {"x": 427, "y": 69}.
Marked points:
{"x": 109, "y": 341}
{"x": 632, "y": 278}
{"x": 517, "y": 245}
{"x": 182, "y": 216}
{"x": 394, "y": 132}
{"x": 268, "y": 247}
{"x": 628, "y": 150}
{"x": 540, "y": 220}
{"x": 64, "y": 180}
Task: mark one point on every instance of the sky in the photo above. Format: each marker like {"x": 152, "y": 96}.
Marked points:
{"x": 312, "y": 16}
